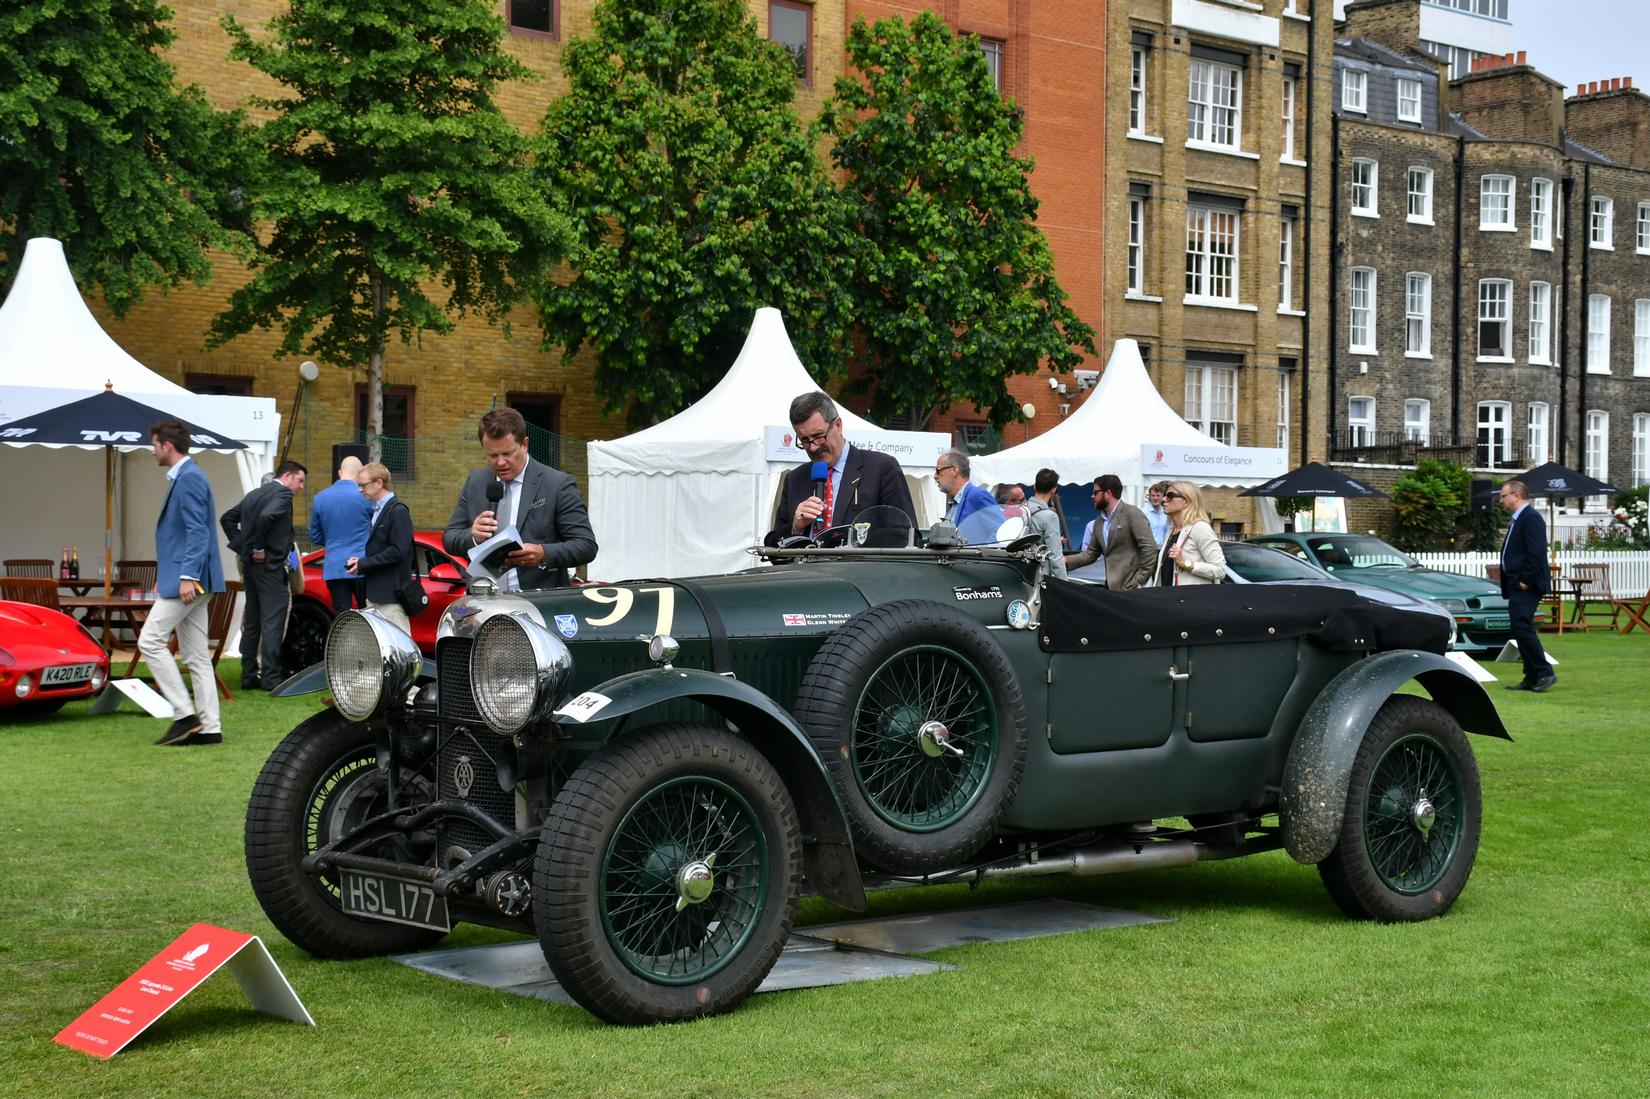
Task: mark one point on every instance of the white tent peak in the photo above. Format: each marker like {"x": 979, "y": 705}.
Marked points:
{"x": 756, "y": 392}
{"x": 48, "y": 337}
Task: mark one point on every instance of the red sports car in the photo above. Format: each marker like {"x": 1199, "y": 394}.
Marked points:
{"x": 46, "y": 659}
{"x": 306, "y": 630}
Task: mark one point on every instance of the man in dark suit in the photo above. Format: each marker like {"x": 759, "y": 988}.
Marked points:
{"x": 1524, "y": 580}
{"x": 858, "y": 478}
{"x": 386, "y": 564}
{"x": 187, "y": 572}
{"x": 541, "y": 502}
{"x": 338, "y": 521}
{"x": 259, "y": 529}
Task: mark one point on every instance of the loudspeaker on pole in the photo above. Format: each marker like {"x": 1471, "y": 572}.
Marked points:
{"x": 1482, "y": 496}
{"x": 340, "y": 451}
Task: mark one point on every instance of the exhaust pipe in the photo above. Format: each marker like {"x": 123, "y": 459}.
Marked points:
{"x": 1111, "y": 858}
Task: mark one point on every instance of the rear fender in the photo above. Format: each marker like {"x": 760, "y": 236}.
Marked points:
{"x": 827, "y": 848}
{"x": 1319, "y": 768}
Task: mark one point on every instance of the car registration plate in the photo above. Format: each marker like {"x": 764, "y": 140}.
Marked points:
{"x": 66, "y": 675}
{"x": 395, "y": 900}
{"x": 1498, "y": 623}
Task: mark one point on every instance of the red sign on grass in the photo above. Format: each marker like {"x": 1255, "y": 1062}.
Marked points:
{"x": 111, "y": 1024}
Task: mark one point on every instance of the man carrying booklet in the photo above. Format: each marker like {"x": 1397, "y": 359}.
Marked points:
{"x": 539, "y": 503}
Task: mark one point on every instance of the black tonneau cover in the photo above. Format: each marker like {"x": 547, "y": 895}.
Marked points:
{"x": 1085, "y": 618}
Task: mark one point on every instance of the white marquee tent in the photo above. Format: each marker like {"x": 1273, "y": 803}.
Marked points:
{"x": 52, "y": 352}
{"x": 690, "y": 495}
{"x": 1105, "y": 434}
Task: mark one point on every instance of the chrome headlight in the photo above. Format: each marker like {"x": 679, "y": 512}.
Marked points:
{"x": 369, "y": 663}
{"x": 1452, "y": 604}
{"x": 517, "y": 670}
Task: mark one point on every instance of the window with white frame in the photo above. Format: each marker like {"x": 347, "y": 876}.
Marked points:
{"x": 1137, "y": 245}
{"x": 1495, "y": 204}
{"x": 1365, "y": 183}
{"x": 1494, "y": 434}
{"x": 1360, "y": 421}
{"x": 1214, "y": 106}
{"x": 1418, "y": 314}
{"x": 1596, "y": 457}
{"x": 1211, "y": 253}
{"x": 1290, "y": 84}
{"x": 1598, "y": 334}
{"x": 1286, "y": 263}
{"x": 1641, "y": 229}
{"x": 992, "y": 50}
{"x": 1283, "y": 410}
{"x": 1418, "y": 420}
{"x": 1641, "y": 338}
{"x": 1541, "y": 213}
{"x": 1420, "y": 195}
{"x": 1354, "y": 86}
{"x": 1137, "y": 90}
{"x": 1211, "y": 401}
{"x": 1601, "y": 223}
{"x": 1494, "y": 319}
{"x": 1361, "y": 300}
{"x": 1409, "y": 100}
{"x": 1641, "y": 449}
{"x": 1535, "y": 438}
{"x": 1541, "y": 313}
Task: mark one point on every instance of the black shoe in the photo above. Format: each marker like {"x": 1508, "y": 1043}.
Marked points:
{"x": 180, "y": 730}
{"x": 1544, "y": 684}
{"x": 270, "y": 686}
{"x": 1522, "y": 685}
{"x": 197, "y": 738}
{"x": 249, "y": 684}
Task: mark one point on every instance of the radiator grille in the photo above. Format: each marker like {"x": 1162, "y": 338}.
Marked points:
{"x": 455, "y": 702}
{"x": 464, "y": 760}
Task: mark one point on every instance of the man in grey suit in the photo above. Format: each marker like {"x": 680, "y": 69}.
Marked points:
{"x": 1121, "y": 536}
{"x": 542, "y": 502}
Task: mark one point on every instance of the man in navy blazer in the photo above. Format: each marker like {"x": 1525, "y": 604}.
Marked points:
{"x": 1524, "y": 581}
{"x": 188, "y": 571}
{"x": 339, "y": 518}
{"x": 858, "y": 478}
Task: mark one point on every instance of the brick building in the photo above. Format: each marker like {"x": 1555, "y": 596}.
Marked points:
{"x": 1490, "y": 277}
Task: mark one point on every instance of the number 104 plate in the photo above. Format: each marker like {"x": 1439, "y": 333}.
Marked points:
{"x": 380, "y": 897}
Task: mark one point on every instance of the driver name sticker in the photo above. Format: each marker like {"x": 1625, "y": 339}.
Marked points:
{"x": 967, "y": 594}
{"x": 584, "y": 707}
{"x": 827, "y": 618}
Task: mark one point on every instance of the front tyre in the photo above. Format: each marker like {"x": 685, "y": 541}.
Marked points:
{"x": 320, "y": 782}
{"x": 666, "y": 879}
{"x": 1413, "y": 812}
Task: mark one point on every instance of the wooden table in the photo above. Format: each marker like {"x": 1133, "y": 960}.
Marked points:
{"x": 132, "y": 612}
{"x": 1635, "y": 615}
{"x": 83, "y": 586}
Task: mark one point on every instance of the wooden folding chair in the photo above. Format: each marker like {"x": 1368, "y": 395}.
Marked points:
{"x": 31, "y": 566}
{"x": 218, "y": 617}
{"x": 136, "y": 574}
{"x": 1593, "y": 595}
{"x": 30, "y": 589}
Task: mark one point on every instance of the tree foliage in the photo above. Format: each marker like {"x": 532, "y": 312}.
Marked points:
{"x": 1434, "y": 510}
{"x": 954, "y": 288}
{"x": 391, "y": 171}
{"x": 101, "y": 149}
{"x": 696, "y": 198}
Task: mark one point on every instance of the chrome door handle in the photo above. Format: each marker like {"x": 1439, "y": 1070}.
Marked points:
{"x": 1178, "y": 676}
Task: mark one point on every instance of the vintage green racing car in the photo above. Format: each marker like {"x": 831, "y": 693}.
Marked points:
{"x": 645, "y": 775}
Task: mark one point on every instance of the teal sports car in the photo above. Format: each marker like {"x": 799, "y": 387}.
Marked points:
{"x": 1482, "y": 622}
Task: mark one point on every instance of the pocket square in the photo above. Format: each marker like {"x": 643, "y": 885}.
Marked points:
{"x": 540, "y": 502}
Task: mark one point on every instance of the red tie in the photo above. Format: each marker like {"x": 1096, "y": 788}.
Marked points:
{"x": 825, "y": 516}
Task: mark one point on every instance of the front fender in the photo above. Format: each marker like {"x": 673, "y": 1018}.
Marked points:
{"x": 314, "y": 678}
{"x": 1312, "y": 801}
{"x": 827, "y": 848}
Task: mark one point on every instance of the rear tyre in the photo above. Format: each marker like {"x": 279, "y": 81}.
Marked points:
{"x": 666, "y": 879}
{"x": 321, "y": 781}
{"x": 1413, "y": 811}
{"x": 917, "y": 714}
{"x": 305, "y": 642}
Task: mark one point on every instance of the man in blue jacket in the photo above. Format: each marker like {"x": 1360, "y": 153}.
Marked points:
{"x": 1524, "y": 580}
{"x": 340, "y": 517}
{"x": 187, "y": 573}
{"x": 963, "y": 497}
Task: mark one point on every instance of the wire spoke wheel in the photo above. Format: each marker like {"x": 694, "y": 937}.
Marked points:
{"x": 1412, "y": 819}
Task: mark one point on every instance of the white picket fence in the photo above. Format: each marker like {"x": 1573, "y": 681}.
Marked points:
{"x": 1629, "y": 569}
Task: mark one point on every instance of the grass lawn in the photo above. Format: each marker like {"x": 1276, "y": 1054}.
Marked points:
{"x": 1534, "y": 985}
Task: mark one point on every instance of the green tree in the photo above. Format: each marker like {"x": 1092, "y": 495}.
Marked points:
{"x": 101, "y": 149}
{"x": 391, "y": 173}
{"x": 954, "y": 287}
{"x": 696, "y": 198}
{"x": 1434, "y": 512}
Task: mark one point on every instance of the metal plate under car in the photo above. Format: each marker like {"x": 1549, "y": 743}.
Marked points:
{"x": 394, "y": 900}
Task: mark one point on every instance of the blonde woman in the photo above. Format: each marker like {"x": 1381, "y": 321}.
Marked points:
{"x": 1191, "y": 553}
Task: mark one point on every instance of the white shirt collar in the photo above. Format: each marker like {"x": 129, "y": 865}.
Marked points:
{"x": 177, "y": 468}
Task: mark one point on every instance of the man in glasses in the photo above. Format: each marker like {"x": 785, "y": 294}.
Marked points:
{"x": 1120, "y": 535}
{"x": 962, "y": 497}
{"x": 855, "y": 479}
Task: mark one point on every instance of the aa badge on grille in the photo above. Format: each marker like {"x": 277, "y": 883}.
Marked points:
{"x": 464, "y": 776}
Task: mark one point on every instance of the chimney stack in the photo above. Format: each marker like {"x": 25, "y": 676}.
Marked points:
{"x": 1613, "y": 118}
{"x": 1507, "y": 99}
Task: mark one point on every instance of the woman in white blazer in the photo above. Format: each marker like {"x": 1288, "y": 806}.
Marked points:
{"x": 1191, "y": 554}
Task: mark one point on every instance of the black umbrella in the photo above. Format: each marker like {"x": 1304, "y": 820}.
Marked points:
{"x": 113, "y": 422}
{"x": 1312, "y": 479}
{"x": 1553, "y": 480}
